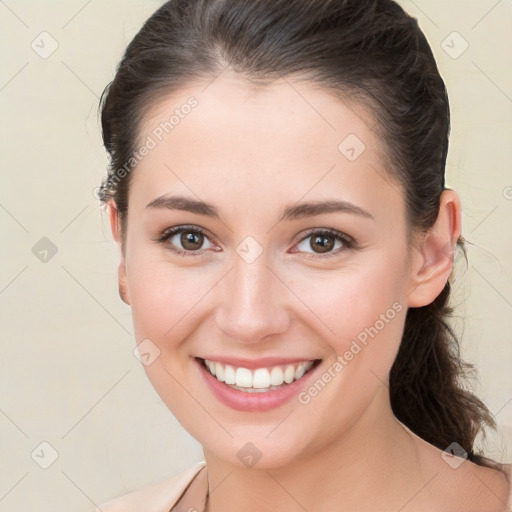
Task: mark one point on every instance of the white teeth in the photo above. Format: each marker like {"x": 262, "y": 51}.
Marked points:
{"x": 243, "y": 378}
{"x": 301, "y": 370}
{"x": 229, "y": 375}
{"x": 276, "y": 376}
{"x": 289, "y": 373}
{"x": 219, "y": 371}
{"x": 211, "y": 366}
{"x": 261, "y": 379}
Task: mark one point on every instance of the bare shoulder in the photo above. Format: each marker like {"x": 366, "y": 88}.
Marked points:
{"x": 461, "y": 485}
{"x": 156, "y": 497}
{"x": 486, "y": 489}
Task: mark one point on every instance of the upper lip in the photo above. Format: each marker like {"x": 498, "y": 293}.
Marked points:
{"x": 263, "y": 362}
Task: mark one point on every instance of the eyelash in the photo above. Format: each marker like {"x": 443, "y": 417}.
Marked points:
{"x": 348, "y": 242}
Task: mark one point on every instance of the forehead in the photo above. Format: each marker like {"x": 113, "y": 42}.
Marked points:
{"x": 286, "y": 139}
{"x": 285, "y": 113}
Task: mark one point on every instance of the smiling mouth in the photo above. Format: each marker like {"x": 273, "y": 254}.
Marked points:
{"x": 259, "y": 380}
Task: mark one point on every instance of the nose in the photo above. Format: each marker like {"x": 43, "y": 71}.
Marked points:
{"x": 252, "y": 306}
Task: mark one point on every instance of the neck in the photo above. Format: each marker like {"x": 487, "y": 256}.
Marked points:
{"x": 370, "y": 466}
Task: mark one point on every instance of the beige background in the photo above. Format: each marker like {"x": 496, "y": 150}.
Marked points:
{"x": 68, "y": 374}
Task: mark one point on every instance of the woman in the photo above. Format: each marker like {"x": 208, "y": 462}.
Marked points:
{"x": 277, "y": 192}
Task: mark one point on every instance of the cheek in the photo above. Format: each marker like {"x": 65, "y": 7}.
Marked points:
{"x": 169, "y": 302}
{"x": 165, "y": 299}
{"x": 168, "y": 305}
{"x": 349, "y": 303}
{"x": 366, "y": 310}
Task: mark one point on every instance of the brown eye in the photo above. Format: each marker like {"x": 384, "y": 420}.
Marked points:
{"x": 322, "y": 243}
{"x": 191, "y": 241}
{"x": 185, "y": 240}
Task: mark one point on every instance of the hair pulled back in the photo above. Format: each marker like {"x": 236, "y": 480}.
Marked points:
{"x": 369, "y": 51}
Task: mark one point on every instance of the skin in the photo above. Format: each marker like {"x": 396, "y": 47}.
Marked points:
{"x": 250, "y": 152}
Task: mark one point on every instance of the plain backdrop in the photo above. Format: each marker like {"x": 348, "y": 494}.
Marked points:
{"x": 73, "y": 397}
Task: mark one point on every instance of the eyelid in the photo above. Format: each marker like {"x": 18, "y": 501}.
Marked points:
{"x": 326, "y": 231}
{"x": 168, "y": 233}
{"x": 347, "y": 241}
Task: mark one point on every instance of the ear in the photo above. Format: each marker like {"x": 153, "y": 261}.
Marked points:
{"x": 115, "y": 226}
{"x": 432, "y": 261}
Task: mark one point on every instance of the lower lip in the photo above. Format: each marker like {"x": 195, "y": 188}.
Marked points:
{"x": 253, "y": 402}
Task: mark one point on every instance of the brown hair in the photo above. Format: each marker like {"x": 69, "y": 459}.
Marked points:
{"x": 369, "y": 51}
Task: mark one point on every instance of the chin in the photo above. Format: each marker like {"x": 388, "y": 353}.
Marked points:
{"x": 258, "y": 454}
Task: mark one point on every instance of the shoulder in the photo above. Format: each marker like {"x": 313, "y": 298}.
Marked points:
{"x": 157, "y": 497}
{"x": 474, "y": 487}
{"x": 460, "y": 484}
{"x": 494, "y": 482}
{"x": 507, "y": 469}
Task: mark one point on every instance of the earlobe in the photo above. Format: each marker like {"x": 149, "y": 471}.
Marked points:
{"x": 116, "y": 233}
{"x": 433, "y": 261}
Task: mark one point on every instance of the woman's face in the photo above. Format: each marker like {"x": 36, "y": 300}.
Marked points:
{"x": 265, "y": 277}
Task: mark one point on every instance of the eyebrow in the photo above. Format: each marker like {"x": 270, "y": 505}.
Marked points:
{"x": 291, "y": 212}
